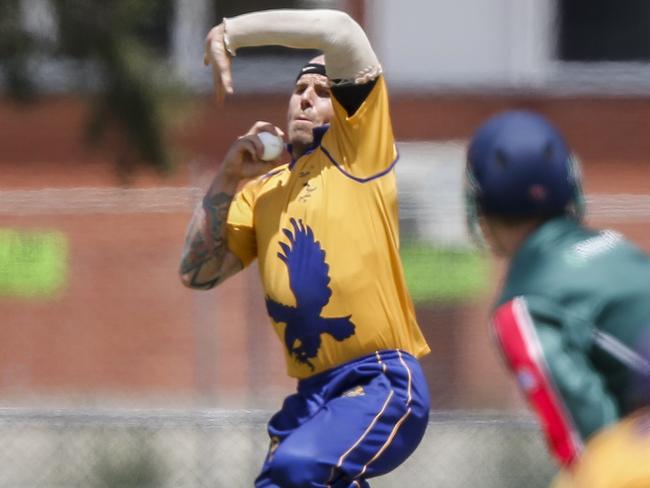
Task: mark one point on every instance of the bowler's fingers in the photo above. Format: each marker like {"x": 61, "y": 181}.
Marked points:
{"x": 217, "y": 90}
{"x": 252, "y": 145}
{"x": 218, "y": 58}
{"x": 254, "y": 166}
{"x": 261, "y": 126}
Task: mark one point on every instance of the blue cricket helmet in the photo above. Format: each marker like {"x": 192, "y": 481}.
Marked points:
{"x": 518, "y": 165}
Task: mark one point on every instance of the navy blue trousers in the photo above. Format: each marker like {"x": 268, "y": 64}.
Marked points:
{"x": 356, "y": 421}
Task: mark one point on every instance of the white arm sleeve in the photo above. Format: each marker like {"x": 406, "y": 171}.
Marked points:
{"x": 348, "y": 53}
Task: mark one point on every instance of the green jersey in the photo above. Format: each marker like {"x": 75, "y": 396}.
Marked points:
{"x": 574, "y": 306}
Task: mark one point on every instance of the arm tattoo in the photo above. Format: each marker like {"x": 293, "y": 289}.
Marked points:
{"x": 206, "y": 241}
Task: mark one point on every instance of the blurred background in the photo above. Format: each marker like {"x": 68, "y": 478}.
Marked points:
{"x": 113, "y": 374}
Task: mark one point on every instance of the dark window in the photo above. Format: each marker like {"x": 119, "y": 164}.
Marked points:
{"x": 604, "y": 30}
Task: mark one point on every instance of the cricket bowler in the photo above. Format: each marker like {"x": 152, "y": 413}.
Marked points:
{"x": 324, "y": 230}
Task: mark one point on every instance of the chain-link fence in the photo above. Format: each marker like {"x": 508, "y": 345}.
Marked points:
{"x": 218, "y": 448}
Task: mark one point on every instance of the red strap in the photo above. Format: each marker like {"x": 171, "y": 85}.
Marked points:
{"x": 523, "y": 352}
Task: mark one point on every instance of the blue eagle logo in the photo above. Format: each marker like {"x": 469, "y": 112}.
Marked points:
{"x": 309, "y": 280}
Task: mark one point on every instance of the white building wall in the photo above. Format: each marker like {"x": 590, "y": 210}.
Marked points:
{"x": 466, "y": 42}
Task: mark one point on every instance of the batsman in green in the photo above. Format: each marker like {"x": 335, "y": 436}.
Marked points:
{"x": 575, "y": 304}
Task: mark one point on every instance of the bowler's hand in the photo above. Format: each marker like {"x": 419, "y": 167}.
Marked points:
{"x": 243, "y": 159}
{"x": 217, "y": 56}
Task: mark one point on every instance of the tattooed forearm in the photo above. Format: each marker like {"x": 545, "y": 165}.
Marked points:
{"x": 205, "y": 245}
{"x": 216, "y": 213}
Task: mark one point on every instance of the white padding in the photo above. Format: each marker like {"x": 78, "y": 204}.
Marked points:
{"x": 348, "y": 53}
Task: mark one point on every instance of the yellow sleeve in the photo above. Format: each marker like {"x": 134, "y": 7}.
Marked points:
{"x": 241, "y": 229}
{"x": 362, "y": 145}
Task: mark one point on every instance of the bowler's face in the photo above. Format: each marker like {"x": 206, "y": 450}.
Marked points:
{"x": 310, "y": 106}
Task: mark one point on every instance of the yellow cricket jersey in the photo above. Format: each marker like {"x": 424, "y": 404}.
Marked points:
{"x": 325, "y": 231}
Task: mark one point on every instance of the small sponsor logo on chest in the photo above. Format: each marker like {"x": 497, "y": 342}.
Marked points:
{"x": 308, "y": 187}
{"x": 306, "y": 192}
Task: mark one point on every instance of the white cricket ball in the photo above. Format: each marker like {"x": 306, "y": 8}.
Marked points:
{"x": 273, "y": 146}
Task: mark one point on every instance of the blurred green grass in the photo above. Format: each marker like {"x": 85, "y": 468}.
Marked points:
{"x": 32, "y": 263}
{"x": 443, "y": 274}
